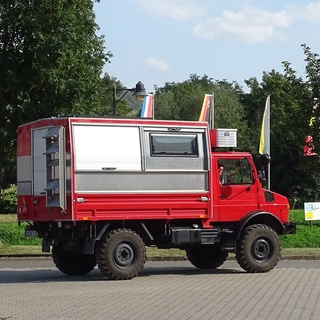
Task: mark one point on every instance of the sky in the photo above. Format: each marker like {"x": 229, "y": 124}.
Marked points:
{"x": 160, "y": 41}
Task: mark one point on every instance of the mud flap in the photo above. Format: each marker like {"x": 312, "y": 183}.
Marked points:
{"x": 46, "y": 243}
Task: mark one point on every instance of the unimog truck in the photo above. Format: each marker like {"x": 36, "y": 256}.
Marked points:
{"x": 99, "y": 190}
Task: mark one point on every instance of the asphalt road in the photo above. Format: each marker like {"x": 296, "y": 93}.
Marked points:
{"x": 35, "y": 289}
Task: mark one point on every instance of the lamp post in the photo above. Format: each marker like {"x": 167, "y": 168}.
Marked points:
{"x": 139, "y": 94}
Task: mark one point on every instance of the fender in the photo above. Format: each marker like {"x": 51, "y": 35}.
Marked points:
{"x": 255, "y": 217}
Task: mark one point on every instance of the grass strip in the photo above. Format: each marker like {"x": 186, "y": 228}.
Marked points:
{"x": 305, "y": 242}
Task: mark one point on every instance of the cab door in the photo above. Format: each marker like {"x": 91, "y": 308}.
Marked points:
{"x": 237, "y": 192}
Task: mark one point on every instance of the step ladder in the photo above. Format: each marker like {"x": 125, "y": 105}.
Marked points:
{"x": 55, "y": 152}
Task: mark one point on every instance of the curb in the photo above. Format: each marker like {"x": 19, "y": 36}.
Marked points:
{"x": 154, "y": 258}
{"x": 314, "y": 257}
{"x": 181, "y": 258}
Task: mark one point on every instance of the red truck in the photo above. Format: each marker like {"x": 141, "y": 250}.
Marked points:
{"x": 99, "y": 190}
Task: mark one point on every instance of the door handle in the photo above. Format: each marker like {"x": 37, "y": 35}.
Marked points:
{"x": 223, "y": 196}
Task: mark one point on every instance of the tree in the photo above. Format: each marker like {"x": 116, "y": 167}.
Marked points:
{"x": 289, "y": 123}
{"x": 183, "y": 101}
{"x": 311, "y": 164}
{"x": 50, "y": 61}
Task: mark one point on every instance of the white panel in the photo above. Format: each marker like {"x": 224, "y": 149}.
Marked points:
{"x": 103, "y": 148}
{"x": 24, "y": 168}
{"x": 227, "y": 138}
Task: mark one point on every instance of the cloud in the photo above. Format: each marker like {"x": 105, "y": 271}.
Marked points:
{"x": 176, "y": 9}
{"x": 158, "y": 64}
{"x": 310, "y": 12}
{"x": 251, "y": 25}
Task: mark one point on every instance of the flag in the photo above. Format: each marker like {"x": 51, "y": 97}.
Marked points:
{"x": 309, "y": 149}
{"x": 311, "y": 122}
{"x": 147, "y": 107}
{"x": 206, "y": 112}
{"x": 264, "y": 146}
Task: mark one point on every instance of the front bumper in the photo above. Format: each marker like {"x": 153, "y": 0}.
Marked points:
{"x": 289, "y": 228}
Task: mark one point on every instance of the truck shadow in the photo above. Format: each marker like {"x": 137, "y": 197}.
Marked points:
{"x": 53, "y": 275}
{"x": 187, "y": 271}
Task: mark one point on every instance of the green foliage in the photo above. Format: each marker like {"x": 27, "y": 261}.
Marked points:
{"x": 307, "y": 236}
{"x": 8, "y": 200}
{"x": 292, "y": 174}
{"x": 183, "y": 101}
{"x": 50, "y": 60}
{"x": 13, "y": 234}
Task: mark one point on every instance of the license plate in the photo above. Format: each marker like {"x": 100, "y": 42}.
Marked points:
{"x": 30, "y": 233}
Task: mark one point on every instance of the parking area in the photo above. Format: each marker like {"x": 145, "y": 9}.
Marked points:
{"x": 164, "y": 290}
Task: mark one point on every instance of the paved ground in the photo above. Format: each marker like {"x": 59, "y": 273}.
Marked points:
{"x": 164, "y": 290}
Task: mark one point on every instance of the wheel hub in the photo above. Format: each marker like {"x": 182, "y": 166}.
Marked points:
{"x": 123, "y": 255}
{"x": 261, "y": 250}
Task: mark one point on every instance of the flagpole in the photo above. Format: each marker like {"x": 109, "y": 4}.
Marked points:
{"x": 264, "y": 147}
{"x": 269, "y": 174}
{"x": 212, "y": 112}
{"x": 268, "y": 143}
{"x": 152, "y": 105}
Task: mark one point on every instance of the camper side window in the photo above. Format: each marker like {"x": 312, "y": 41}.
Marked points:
{"x": 174, "y": 145}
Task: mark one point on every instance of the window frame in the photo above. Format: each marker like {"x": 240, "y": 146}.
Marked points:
{"x": 169, "y": 153}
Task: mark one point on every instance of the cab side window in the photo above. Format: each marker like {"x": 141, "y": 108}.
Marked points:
{"x": 236, "y": 171}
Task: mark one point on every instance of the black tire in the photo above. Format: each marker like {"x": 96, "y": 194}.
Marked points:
{"x": 121, "y": 255}
{"x": 258, "y": 249}
{"x": 72, "y": 263}
{"x": 207, "y": 258}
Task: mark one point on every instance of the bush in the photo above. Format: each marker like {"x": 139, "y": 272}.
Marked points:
{"x": 13, "y": 234}
{"x": 8, "y": 200}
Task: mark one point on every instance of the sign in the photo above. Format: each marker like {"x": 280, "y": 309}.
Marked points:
{"x": 312, "y": 211}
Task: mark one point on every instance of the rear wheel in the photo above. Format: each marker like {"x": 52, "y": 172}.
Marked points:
{"x": 121, "y": 255}
{"x": 258, "y": 249}
{"x": 207, "y": 258}
{"x": 72, "y": 263}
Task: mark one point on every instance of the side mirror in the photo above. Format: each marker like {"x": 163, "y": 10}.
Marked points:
{"x": 264, "y": 159}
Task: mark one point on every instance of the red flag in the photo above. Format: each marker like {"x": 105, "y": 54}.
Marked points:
{"x": 205, "y": 113}
{"x": 308, "y": 149}
{"x": 147, "y": 107}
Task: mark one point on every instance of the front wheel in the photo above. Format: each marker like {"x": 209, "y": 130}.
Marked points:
{"x": 258, "y": 249}
{"x": 121, "y": 255}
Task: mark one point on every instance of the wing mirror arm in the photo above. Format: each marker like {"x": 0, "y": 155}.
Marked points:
{"x": 264, "y": 160}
